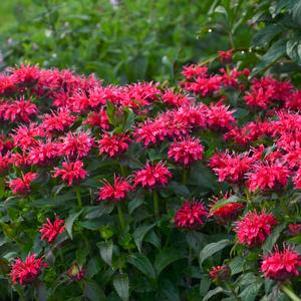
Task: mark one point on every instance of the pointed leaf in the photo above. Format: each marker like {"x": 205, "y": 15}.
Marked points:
{"x": 106, "y": 251}
{"x": 143, "y": 264}
{"x": 213, "y": 248}
{"x": 140, "y": 233}
{"x": 121, "y": 285}
{"x": 70, "y": 221}
{"x": 165, "y": 258}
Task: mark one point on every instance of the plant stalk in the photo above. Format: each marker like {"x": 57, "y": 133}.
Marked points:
{"x": 288, "y": 291}
{"x": 79, "y": 198}
{"x": 121, "y": 216}
{"x": 156, "y": 204}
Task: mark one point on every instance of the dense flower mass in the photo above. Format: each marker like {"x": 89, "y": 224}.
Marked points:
{"x": 226, "y": 212}
{"x": 186, "y": 151}
{"x": 24, "y": 272}
{"x": 267, "y": 176}
{"x": 253, "y": 229}
{"x": 114, "y": 192}
{"x": 113, "y": 145}
{"x": 152, "y": 147}
{"x": 281, "y": 265}
{"x": 50, "y": 230}
{"x": 152, "y": 175}
{"x": 21, "y": 185}
{"x": 71, "y": 172}
{"x": 191, "y": 215}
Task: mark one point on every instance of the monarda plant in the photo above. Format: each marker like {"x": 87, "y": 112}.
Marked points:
{"x": 149, "y": 192}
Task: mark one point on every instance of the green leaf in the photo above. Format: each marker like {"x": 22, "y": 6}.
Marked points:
{"x": 272, "y": 238}
{"x": 140, "y": 233}
{"x": 165, "y": 257}
{"x": 143, "y": 264}
{"x": 265, "y": 35}
{"x": 236, "y": 265}
{"x": 121, "y": 285}
{"x": 213, "y": 248}
{"x": 170, "y": 290}
{"x": 296, "y": 13}
{"x": 106, "y": 251}
{"x": 212, "y": 293}
{"x": 93, "y": 291}
{"x": 276, "y": 51}
{"x": 293, "y": 50}
{"x": 70, "y": 221}
{"x": 250, "y": 292}
{"x": 204, "y": 285}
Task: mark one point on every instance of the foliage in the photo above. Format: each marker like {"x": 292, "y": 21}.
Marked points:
{"x": 132, "y": 41}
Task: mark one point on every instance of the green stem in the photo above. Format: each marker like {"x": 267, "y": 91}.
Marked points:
{"x": 121, "y": 216}
{"x": 156, "y": 204}
{"x": 288, "y": 291}
{"x": 79, "y": 198}
{"x": 184, "y": 176}
{"x": 122, "y": 170}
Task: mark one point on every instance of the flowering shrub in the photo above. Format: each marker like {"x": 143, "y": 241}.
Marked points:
{"x": 146, "y": 192}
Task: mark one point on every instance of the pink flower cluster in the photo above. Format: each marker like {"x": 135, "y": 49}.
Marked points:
{"x": 170, "y": 131}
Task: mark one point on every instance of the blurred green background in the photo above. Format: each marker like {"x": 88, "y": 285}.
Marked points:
{"x": 149, "y": 40}
{"x": 133, "y": 40}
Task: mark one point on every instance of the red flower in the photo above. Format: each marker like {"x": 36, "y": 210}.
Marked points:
{"x": 71, "y": 172}
{"x": 294, "y": 229}
{"x": 113, "y": 145}
{"x": 267, "y": 176}
{"x": 220, "y": 117}
{"x": 173, "y": 99}
{"x": 21, "y": 186}
{"x": 43, "y": 153}
{"x": 227, "y": 212}
{"x": 26, "y": 74}
{"x": 230, "y": 168}
{"x": 57, "y": 122}
{"x": 99, "y": 119}
{"x": 25, "y": 136}
{"x": 20, "y": 110}
{"x": 24, "y": 272}
{"x": 116, "y": 192}
{"x": 152, "y": 175}
{"x": 281, "y": 265}
{"x": 186, "y": 151}
{"x": 50, "y": 230}
{"x": 253, "y": 229}
{"x": 220, "y": 272}
{"x": 76, "y": 145}
{"x": 192, "y": 71}
{"x": 191, "y": 215}
{"x": 225, "y": 56}
{"x": 151, "y": 132}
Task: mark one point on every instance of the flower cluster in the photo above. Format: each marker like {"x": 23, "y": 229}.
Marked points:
{"x": 136, "y": 158}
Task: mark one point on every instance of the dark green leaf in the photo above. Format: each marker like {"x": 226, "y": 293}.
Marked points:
{"x": 272, "y": 238}
{"x": 106, "y": 251}
{"x": 213, "y": 248}
{"x": 212, "y": 293}
{"x": 93, "y": 291}
{"x": 165, "y": 257}
{"x": 121, "y": 285}
{"x": 70, "y": 221}
{"x": 143, "y": 264}
{"x": 140, "y": 233}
